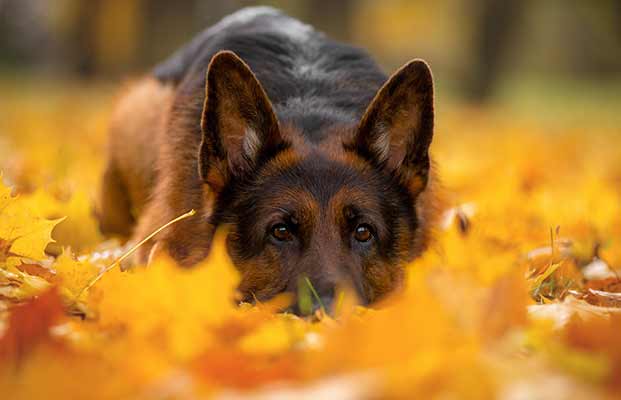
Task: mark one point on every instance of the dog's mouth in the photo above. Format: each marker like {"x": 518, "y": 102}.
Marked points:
{"x": 304, "y": 300}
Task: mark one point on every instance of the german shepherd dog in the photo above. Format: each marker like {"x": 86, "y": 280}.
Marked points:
{"x": 315, "y": 160}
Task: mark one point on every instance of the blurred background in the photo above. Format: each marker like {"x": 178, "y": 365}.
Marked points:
{"x": 482, "y": 51}
{"x": 505, "y": 70}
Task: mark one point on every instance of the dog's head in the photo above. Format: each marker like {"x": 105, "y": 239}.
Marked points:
{"x": 343, "y": 212}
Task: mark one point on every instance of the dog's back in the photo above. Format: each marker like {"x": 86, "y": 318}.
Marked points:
{"x": 310, "y": 79}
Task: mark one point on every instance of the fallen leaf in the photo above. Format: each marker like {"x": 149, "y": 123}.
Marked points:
{"x": 29, "y": 324}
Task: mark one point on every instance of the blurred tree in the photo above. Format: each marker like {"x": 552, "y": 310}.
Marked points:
{"x": 24, "y": 33}
{"x": 497, "y": 20}
{"x": 101, "y": 36}
{"x": 333, "y": 17}
{"x": 81, "y": 39}
{"x": 580, "y": 41}
{"x": 478, "y": 41}
{"x": 169, "y": 24}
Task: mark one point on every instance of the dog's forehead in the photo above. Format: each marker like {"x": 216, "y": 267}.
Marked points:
{"x": 321, "y": 178}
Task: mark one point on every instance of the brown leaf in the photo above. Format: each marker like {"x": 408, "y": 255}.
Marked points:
{"x": 603, "y": 292}
{"x": 36, "y": 270}
{"x": 612, "y": 285}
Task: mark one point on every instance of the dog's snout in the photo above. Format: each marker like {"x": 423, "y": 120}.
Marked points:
{"x": 311, "y": 299}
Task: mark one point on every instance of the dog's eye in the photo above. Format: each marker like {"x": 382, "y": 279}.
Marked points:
{"x": 281, "y": 232}
{"x": 363, "y": 233}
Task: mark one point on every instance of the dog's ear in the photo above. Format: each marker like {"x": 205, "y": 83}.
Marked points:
{"x": 397, "y": 127}
{"x": 239, "y": 126}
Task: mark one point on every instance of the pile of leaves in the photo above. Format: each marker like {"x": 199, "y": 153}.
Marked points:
{"x": 519, "y": 296}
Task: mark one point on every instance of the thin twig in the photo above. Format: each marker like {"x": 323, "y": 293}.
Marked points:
{"x": 119, "y": 260}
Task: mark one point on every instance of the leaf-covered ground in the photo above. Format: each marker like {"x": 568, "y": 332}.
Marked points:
{"x": 519, "y": 296}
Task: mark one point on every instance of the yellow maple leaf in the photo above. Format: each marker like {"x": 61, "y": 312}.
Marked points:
{"x": 277, "y": 335}
{"x": 73, "y": 275}
{"x": 5, "y": 195}
{"x": 27, "y": 233}
{"x": 174, "y": 304}
{"x": 18, "y": 286}
{"x": 79, "y": 230}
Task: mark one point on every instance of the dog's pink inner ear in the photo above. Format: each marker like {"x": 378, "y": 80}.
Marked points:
{"x": 238, "y": 121}
{"x": 397, "y": 127}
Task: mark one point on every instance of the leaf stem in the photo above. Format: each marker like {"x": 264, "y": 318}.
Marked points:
{"x": 133, "y": 249}
{"x": 312, "y": 289}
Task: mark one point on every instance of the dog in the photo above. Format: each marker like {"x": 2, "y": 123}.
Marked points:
{"x": 315, "y": 160}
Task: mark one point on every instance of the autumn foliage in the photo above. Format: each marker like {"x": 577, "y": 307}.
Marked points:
{"x": 518, "y": 297}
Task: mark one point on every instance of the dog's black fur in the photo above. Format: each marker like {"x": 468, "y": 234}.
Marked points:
{"x": 312, "y": 81}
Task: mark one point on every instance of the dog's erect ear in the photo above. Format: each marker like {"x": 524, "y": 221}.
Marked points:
{"x": 397, "y": 127}
{"x": 239, "y": 125}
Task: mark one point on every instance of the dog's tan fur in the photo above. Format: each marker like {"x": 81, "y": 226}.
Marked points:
{"x": 136, "y": 126}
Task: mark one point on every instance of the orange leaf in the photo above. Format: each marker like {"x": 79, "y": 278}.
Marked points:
{"x": 29, "y": 324}
{"x": 232, "y": 368}
{"x": 598, "y": 335}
